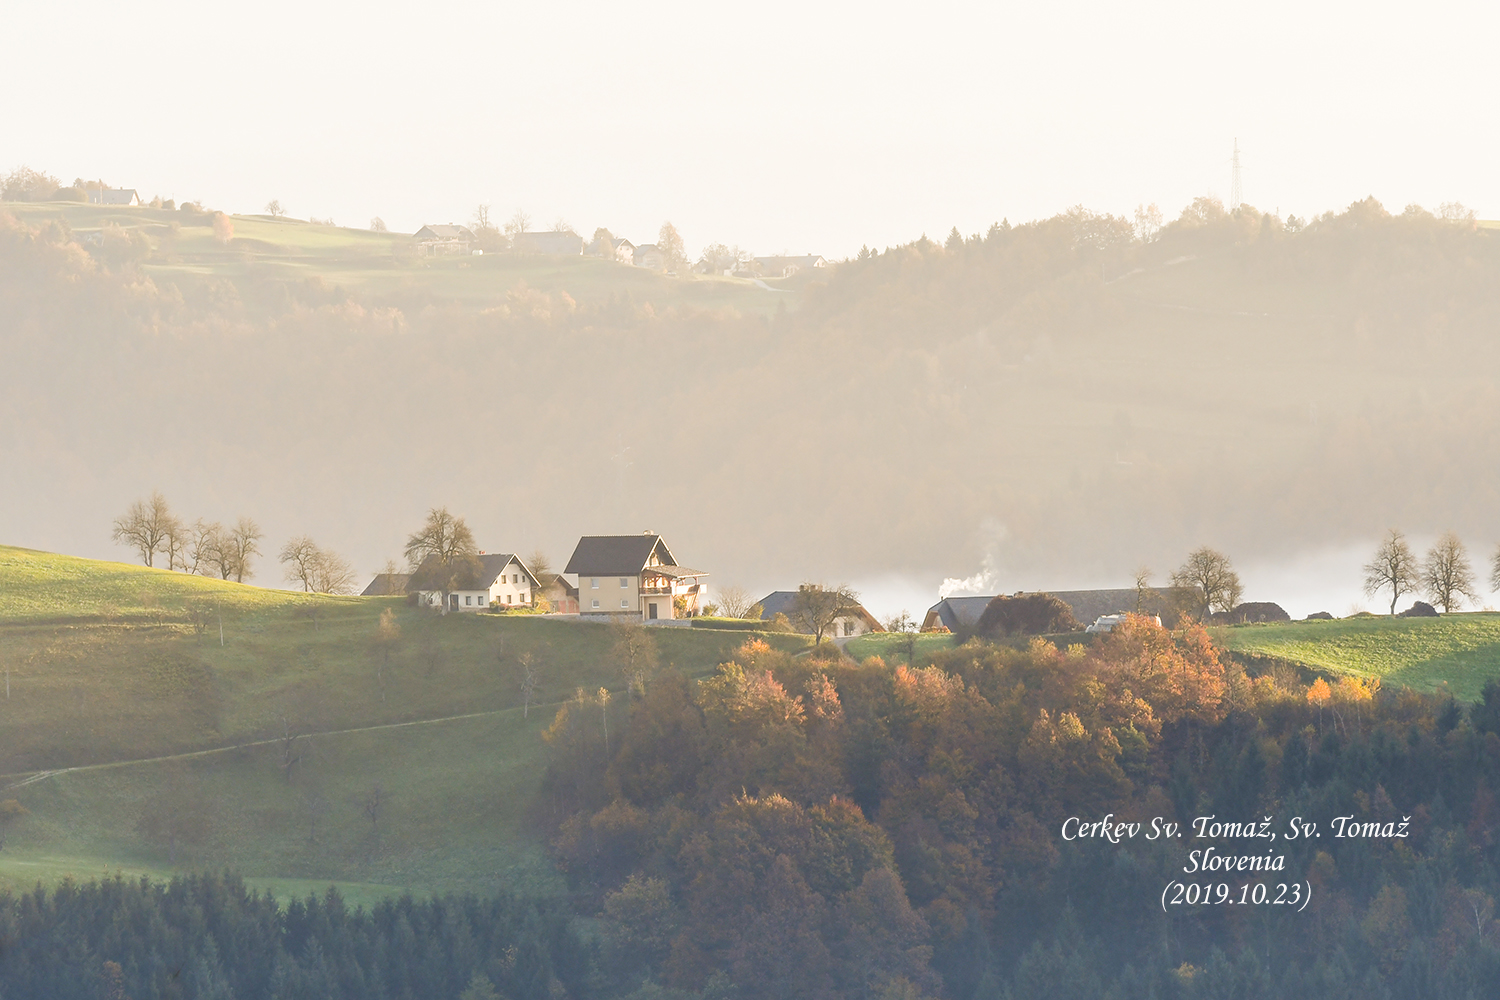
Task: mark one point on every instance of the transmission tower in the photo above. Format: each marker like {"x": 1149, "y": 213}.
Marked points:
{"x": 1236, "y": 194}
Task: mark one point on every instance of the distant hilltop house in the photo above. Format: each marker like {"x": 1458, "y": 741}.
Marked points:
{"x": 648, "y": 256}
{"x": 958, "y": 614}
{"x": 551, "y": 244}
{"x": 785, "y": 267}
{"x": 386, "y": 585}
{"x": 435, "y": 240}
{"x": 500, "y": 579}
{"x": 634, "y": 577}
{"x": 113, "y": 196}
{"x": 621, "y": 250}
{"x": 783, "y": 602}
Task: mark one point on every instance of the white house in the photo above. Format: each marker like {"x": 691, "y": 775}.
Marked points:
{"x": 113, "y": 196}
{"x": 443, "y": 239}
{"x": 647, "y": 255}
{"x": 501, "y": 580}
{"x": 785, "y": 267}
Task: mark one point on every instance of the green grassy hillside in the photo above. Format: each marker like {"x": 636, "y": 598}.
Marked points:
{"x": 1456, "y": 653}
{"x": 385, "y": 265}
{"x": 127, "y": 702}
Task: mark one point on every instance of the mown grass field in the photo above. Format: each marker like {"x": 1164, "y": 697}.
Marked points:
{"x": 1455, "y": 653}
{"x": 109, "y": 664}
{"x": 897, "y": 648}
{"x": 385, "y": 267}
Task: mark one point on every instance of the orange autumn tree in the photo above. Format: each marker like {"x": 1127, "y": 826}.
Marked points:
{"x": 1180, "y": 676}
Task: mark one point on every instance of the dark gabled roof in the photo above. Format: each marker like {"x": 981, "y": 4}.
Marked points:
{"x": 386, "y": 585}
{"x": 617, "y": 555}
{"x": 446, "y": 232}
{"x": 956, "y": 612}
{"x": 1090, "y": 604}
{"x": 490, "y": 565}
{"x": 1086, "y": 605}
{"x": 780, "y": 602}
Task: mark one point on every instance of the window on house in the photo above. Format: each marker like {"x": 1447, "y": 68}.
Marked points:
{"x": 624, "y": 582}
{"x": 468, "y": 599}
{"x": 848, "y": 628}
{"x": 596, "y": 603}
{"x": 624, "y": 603}
{"x": 594, "y": 583}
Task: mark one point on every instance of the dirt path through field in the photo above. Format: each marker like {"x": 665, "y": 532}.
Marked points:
{"x": 30, "y": 777}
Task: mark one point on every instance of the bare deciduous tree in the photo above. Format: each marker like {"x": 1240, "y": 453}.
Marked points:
{"x": 319, "y": 570}
{"x": 1394, "y": 568}
{"x": 442, "y": 554}
{"x": 145, "y": 526}
{"x": 540, "y": 566}
{"x": 274, "y": 209}
{"x": 243, "y": 545}
{"x": 1447, "y": 575}
{"x": 1210, "y": 580}
{"x": 372, "y": 804}
{"x": 902, "y": 622}
{"x": 735, "y": 602}
{"x": 298, "y": 556}
{"x": 201, "y": 547}
{"x": 816, "y": 607}
{"x": 377, "y": 225}
{"x": 1143, "y": 590}
{"x": 519, "y": 223}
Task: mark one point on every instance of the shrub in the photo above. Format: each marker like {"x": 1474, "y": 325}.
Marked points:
{"x": 1026, "y": 614}
{"x": 1421, "y": 609}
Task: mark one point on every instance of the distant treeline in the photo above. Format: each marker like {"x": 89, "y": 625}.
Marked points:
{"x": 819, "y": 828}
{"x": 208, "y": 937}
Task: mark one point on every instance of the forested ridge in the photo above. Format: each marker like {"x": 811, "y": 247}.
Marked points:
{"x": 822, "y": 828}
{"x": 809, "y": 826}
{"x": 1066, "y": 398}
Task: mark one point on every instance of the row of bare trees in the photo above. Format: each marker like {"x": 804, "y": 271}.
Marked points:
{"x": 206, "y": 548}
{"x": 1444, "y": 575}
{"x": 211, "y": 548}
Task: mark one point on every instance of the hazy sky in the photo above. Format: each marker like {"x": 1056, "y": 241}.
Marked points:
{"x": 797, "y": 126}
